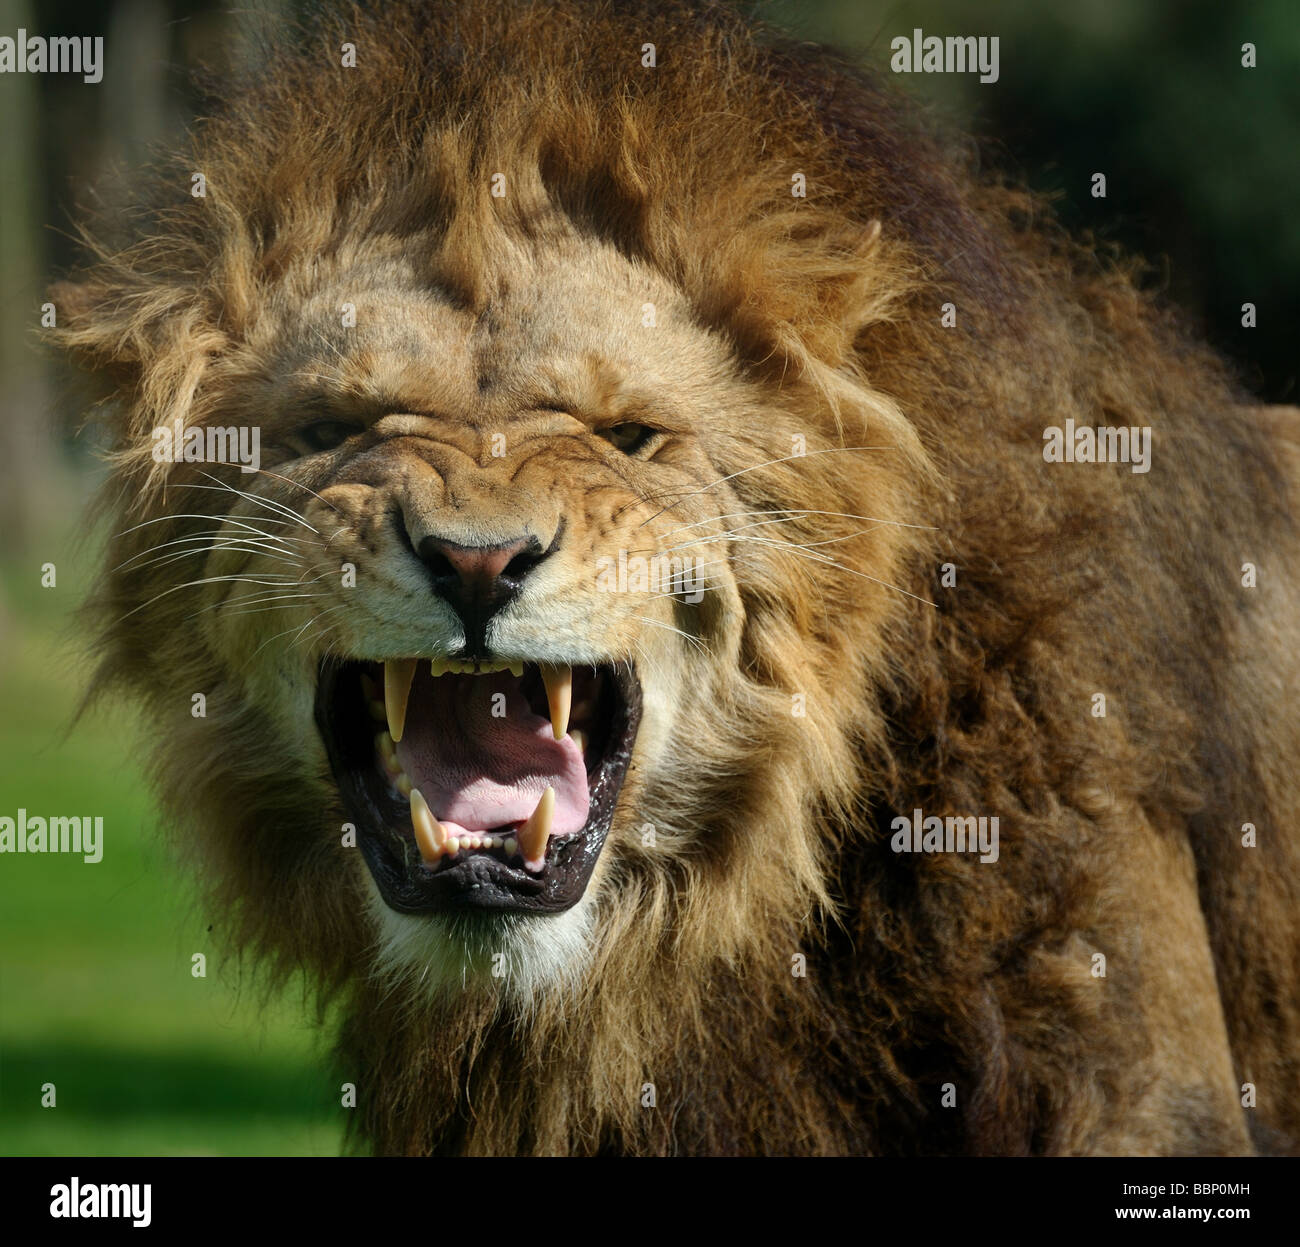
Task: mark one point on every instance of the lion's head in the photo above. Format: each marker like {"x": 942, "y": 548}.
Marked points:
{"x": 575, "y": 525}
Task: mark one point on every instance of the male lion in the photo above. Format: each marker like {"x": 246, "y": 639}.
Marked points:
{"x": 655, "y": 675}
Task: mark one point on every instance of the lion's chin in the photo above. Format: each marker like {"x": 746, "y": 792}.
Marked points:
{"x": 483, "y": 789}
{"x": 519, "y": 958}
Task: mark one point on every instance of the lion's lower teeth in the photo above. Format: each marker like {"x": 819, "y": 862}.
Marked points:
{"x": 536, "y": 832}
{"x": 431, "y": 836}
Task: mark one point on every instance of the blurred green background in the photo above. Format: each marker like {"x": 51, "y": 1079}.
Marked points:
{"x": 96, "y": 991}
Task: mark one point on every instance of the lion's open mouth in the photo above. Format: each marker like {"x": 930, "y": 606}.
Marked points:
{"x": 488, "y": 785}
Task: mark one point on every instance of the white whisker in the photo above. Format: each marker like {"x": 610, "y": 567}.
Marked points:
{"x": 782, "y": 514}
{"x": 832, "y": 450}
{"x": 266, "y": 502}
{"x": 655, "y": 623}
{"x": 206, "y": 580}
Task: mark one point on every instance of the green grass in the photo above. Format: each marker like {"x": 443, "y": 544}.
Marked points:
{"x": 96, "y": 990}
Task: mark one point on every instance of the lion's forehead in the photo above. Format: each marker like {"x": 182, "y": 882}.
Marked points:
{"x": 580, "y": 328}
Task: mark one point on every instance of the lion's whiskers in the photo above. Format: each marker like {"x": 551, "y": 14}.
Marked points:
{"x": 804, "y": 550}
{"x": 270, "y": 503}
{"x": 242, "y": 535}
{"x": 207, "y": 580}
{"x": 781, "y": 515}
{"x": 265, "y": 604}
{"x": 298, "y": 630}
{"x": 256, "y": 596}
{"x": 245, "y": 546}
{"x": 657, "y": 623}
{"x": 219, "y": 520}
{"x": 722, "y": 480}
{"x": 739, "y": 534}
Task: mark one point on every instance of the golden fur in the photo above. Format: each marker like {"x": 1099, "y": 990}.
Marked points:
{"x": 800, "y": 366}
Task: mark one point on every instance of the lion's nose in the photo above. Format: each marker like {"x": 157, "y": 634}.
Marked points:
{"x": 479, "y": 580}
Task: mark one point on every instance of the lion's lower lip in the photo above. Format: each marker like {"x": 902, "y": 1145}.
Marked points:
{"x": 481, "y": 875}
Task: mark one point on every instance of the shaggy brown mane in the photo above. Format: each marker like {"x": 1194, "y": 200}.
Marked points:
{"x": 922, "y": 971}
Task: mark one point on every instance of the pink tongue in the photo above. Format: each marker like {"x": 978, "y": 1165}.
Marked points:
{"x": 479, "y": 770}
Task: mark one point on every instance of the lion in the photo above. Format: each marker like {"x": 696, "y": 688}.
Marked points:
{"x": 586, "y": 542}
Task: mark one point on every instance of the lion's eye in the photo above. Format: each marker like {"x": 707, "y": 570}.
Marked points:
{"x": 629, "y": 438}
{"x": 324, "y": 435}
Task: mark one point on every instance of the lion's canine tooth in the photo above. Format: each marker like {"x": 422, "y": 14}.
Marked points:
{"x": 516, "y": 669}
{"x": 559, "y": 697}
{"x": 534, "y": 834}
{"x": 429, "y": 834}
{"x": 398, "y": 675}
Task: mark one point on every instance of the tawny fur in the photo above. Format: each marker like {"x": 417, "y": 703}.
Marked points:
{"x": 800, "y": 318}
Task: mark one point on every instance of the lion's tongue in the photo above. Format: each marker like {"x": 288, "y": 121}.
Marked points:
{"x": 482, "y": 758}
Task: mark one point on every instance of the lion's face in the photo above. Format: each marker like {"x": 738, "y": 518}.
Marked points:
{"x": 525, "y": 642}
{"x": 505, "y": 614}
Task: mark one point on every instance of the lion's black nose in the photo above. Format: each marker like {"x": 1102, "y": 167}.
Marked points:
{"x": 478, "y": 581}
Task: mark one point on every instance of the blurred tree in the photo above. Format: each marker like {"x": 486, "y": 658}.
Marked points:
{"x": 1200, "y": 152}
{"x": 26, "y": 459}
